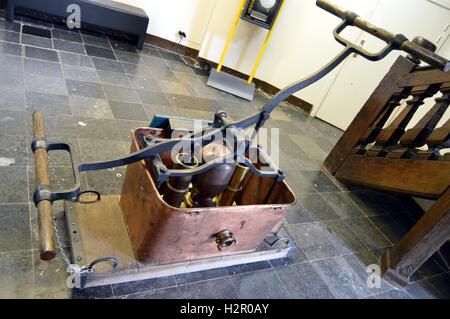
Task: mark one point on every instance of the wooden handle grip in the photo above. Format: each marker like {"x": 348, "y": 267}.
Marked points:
{"x": 45, "y": 216}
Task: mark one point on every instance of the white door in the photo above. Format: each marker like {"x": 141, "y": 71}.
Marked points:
{"x": 358, "y": 78}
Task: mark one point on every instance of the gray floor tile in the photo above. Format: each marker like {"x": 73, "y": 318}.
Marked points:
{"x": 320, "y": 181}
{"x": 45, "y": 84}
{"x": 16, "y": 280}
{"x": 340, "y": 279}
{"x": 434, "y": 266}
{"x": 442, "y": 284}
{"x": 242, "y": 269}
{"x": 14, "y": 185}
{"x": 12, "y": 122}
{"x": 11, "y": 48}
{"x": 296, "y": 257}
{"x": 96, "y": 41}
{"x": 343, "y": 205}
{"x": 97, "y": 150}
{"x": 128, "y": 111}
{"x": 101, "y": 129}
{"x": 108, "y": 65}
{"x": 11, "y": 63}
{"x": 127, "y": 57}
{"x": 313, "y": 240}
{"x": 80, "y": 74}
{"x": 90, "y": 107}
{"x": 368, "y": 233}
{"x": 360, "y": 263}
{"x": 135, "y": 69}
{"x": 123, "y": 46}
{"x": 125, "y": 128}
{"x": 43, "y": 68}
{"x": 121, "y": 94}
{"x": 50, "y": 278}
{"x": 259, "y": 285}
{"x": 423, "y": 290}
{"x": 303, "y": 282}
{"x": 317, "y": 207}
{"x": 143, "y": 286}
{"x": 13, "y": 150}
{"x": 298, "y": 215}
{"x": 12, "y": 99}
{"x": 393, "y": 294}
{"x": 377, "y": 203}
{"x": 100, "y": 52}
{"x": 221, "y": 288}
{"x": 107, "y": 182}
{"x": 9, "y": 36}
{"x": 37, "y": 41}
{"x": 92, "y": 293}
{"x": 41, "y": 54}
{"x": 114, "y": 78}
{"x": 155, "y": 98}
{"x": 76, "y": 60}
{"x": 12, "y": 80}
{"x": 73, "y": 36}
{"x": 87, "y": 89}
{"x": 15, "y": 230}
{"x": 147, "y": 83}
{"x": 389, "y": 228}
{"x": 9, "y": 26}
{"x": 68, "y": 46}
{"x": 194, "y": 277}
{"x": 343, "y": 238}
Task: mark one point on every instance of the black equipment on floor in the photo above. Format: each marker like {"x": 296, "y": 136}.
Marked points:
{"x": 105, "y": 16}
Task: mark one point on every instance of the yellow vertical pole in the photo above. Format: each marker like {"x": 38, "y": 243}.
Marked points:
{"x": 231, "y": 35}
{"x": 264, "y": 47}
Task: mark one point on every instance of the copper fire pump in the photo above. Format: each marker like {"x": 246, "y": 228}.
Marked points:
{"x": 207, "y": 186}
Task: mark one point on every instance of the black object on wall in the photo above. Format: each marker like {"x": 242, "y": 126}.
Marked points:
{"x": 108, "y": 17}
{"x": 2, "y": 4}
{"x": 262, "y": 12}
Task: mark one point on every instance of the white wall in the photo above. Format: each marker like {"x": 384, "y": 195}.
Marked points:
{"x": 167, "y": 17}
{"x": 301, "y": 43}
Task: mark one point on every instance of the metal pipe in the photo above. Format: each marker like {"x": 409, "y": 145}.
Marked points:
{"x": 177, "y": 187}
{"x": 228, "y": 197}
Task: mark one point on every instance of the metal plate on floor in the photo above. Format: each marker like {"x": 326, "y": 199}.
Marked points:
{"x": 231, "y": 84}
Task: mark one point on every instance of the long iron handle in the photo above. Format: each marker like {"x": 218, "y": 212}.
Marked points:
{"x": 45, "y": 216}
{"x": 389, "y": 37}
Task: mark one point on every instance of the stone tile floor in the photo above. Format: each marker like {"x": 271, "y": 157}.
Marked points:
{"x": 93, "y": 90}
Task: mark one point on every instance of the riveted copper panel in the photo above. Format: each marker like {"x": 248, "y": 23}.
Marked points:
{"x": 164, "y": 234}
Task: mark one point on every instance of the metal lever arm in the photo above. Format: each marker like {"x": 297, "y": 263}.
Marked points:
{"x": 402, "y": 43}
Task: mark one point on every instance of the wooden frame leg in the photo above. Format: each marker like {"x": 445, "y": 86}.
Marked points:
{"x": 426, "y": 237}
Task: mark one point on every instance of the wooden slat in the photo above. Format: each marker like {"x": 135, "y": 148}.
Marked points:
{"x": 392, "y": 134}
{"x": 440, "y": 135}
{"x": 417, "y": 136}
{"x": 423, "y": 240}
{"x": 420, "y": 178}
{"x": 424, "y": 78}
{"x": 368, "y": 114}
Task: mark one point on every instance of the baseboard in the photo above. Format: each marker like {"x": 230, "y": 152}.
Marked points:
{"x": 192, "y": 53}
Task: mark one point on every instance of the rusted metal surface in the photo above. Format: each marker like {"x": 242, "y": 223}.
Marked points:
{"x": 162, "y": 234}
